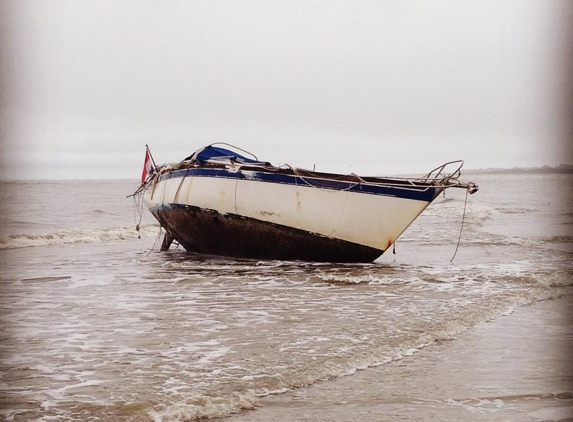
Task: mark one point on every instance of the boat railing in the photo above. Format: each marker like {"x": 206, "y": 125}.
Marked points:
{"x": 435, "y": 174}
{"x": 438, "y": 177}
{"x": 435, "y": 178}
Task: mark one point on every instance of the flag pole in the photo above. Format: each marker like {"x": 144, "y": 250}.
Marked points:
{"x": 151, "y": 156}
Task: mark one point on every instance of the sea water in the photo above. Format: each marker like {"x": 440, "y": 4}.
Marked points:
{"x": 97, "y": 324}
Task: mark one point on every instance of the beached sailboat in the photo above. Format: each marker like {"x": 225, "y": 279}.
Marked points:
{"x": 221, "y": 202}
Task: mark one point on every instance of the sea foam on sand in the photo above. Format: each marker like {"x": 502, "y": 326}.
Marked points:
{"x": 516, "y": 367}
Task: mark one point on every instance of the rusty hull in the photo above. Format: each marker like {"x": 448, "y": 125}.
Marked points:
{"x": 209, "y": 232}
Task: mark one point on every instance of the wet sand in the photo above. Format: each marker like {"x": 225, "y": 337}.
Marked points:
{"x": 518, "y": 367}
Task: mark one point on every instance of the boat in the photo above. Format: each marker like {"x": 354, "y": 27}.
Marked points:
{"x": 224, "y": 201}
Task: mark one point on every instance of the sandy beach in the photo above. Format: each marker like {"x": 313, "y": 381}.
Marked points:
{"x": 518, "y": 367}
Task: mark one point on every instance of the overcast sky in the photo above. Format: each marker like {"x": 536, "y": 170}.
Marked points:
{"x": 372, "y": 87}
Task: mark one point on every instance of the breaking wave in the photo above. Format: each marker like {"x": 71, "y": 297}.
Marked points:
{"x": 358, "y": 279}
{"x": 203, "y": 406}
{"x": 76, "y": 236}
{"x": 475, "y": 212}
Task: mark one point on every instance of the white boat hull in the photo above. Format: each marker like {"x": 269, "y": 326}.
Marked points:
{"x": 250, "y": 214}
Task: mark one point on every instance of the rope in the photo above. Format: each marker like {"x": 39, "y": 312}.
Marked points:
{"x": 138, "y": 208}
{"x": 156, "y": 241}
{"x": 176, "y": 198}
{"x": 462, "y": 226}
{"x": 300, "y": 174}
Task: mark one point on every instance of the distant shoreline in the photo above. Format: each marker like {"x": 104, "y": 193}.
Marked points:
{"x": 562, "y": 169}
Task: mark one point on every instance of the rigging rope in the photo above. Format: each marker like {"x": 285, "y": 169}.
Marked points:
{"x": 462, "y": 226}
{"x": 156, "y": 242}
{"x": 176, "y": 198}
{"x": 138, "y": 207}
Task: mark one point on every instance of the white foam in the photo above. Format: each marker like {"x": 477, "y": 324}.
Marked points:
{"x": 554, "y": 279}
{"x": 9, "y": 415}
{"x": 475, "y": 212}
{"x": 198, "y": 407}
{"x": 212, "y": 355}
{"x": 479, "y": 406}
{"x": 47, "y": 404}
{"x": 357, "y": 279}
{"x": 266, "y": 392}
{"x": 17, "y": 241}
{"x": 59, "y": 394}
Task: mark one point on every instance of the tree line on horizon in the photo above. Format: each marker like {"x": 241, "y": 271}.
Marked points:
{"x": 562, "y": 168}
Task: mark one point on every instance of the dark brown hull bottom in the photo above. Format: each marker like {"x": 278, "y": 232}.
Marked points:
{"x": 209, "y": 232}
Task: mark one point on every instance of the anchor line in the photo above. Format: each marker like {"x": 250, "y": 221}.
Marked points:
{"x": 462, "y": 226}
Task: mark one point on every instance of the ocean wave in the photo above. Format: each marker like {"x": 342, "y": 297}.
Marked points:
{"x": 559, "y": 239}
{"x": 201, "y": 407}
{"x": 17, "y": 241}
{"x": 476, "y": 213}
{"x": 331, "y": 367}
{"x": 359, "y": 279}
{"x": 554, "y": 279}
{"x": 511, "y": 211}
{"x": 497, "y": 240}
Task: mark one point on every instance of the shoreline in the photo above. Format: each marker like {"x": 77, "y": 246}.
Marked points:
{"x": 518, "y": 367}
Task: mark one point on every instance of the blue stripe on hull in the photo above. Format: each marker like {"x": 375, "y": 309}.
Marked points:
{"x": 416, "y": 193}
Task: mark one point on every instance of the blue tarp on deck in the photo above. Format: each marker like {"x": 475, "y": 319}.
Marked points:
{"x": 218, "y": 152}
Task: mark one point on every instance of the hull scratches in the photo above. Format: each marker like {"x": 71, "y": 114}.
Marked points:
{"x": 209, "y": 232}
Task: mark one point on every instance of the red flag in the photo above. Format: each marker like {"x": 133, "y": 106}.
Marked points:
{"x": 147, "y": 166}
